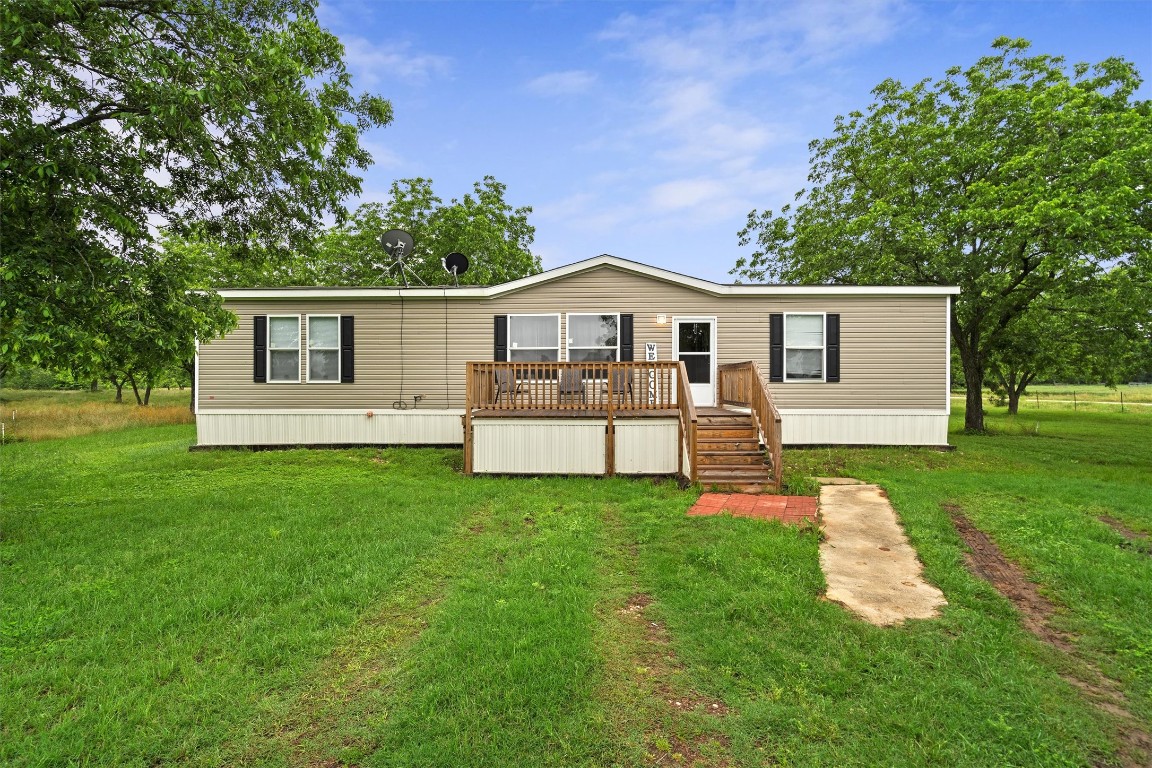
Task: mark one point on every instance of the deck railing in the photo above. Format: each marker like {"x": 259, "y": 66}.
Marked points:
{"x": 548, "y": 389}
{"x": 636, "y": 386}
{"x": 742, "y": 384}
{"x": 688, "y": 426}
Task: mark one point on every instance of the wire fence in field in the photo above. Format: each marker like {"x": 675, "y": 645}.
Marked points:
{"x": 1074, "y": 400}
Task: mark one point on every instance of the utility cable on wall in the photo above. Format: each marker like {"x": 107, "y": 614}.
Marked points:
{"x": 401, "y": 404}
{"x": 447, "y": 386}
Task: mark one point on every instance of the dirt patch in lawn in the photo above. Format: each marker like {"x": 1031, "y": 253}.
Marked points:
{"x": 697, "y": 752}
{"x": 985, "y": 560}
{"x": 686, "y": 742}
{"x": 659, "y": 662}
{"x": 1141, "y": 542}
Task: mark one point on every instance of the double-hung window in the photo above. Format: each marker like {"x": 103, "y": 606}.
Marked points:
{"x": 593, "y": 338}
{"x": 804, "y": 347}
{"x": 284, "y": 348}
{"x": 533, "y": 338}
{"x": 324, "y": 348}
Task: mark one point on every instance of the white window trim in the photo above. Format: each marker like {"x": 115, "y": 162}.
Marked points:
{"x": 299, "y": 352}
{"x": 559, "y": 348}
{"x": 308, "y": 353}
{"x": 823, "y": 347}
{"x": 568, "y": 327}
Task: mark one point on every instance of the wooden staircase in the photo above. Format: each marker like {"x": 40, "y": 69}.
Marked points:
{"x": 728, "y": 452}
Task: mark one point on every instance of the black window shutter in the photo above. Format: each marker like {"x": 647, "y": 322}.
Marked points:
{"x": 500, "y": 326}
{"x": 627, "y": 348}
{"x": 260, "y": 349}
{"x": 347, "y": 349}
{"x": 832, "y": 347}
{"x": 776, "y": 346}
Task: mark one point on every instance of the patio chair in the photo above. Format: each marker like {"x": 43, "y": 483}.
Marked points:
{"x": 508, "y": 385}
{"x": 572, "y": 385}
{"x": 618, "y": 384}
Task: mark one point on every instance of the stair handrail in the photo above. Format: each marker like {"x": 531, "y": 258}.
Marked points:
{"x": 688, "y": 422}
{"x": 750, "y": 389}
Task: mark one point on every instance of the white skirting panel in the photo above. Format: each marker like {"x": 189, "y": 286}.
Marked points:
{"x": 538, "y": 446}
{"x": 417, "y": 427}
{"x": 647, "y": 446}
{"x": 852, "y": 427}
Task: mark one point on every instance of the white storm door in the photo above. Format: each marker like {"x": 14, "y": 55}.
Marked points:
{"x": 694, "y": 342}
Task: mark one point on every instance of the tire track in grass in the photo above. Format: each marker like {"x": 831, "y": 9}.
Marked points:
{"x": 507, "y": 672}
{"x": 332, "y": 722}
{"x": 655, "y": 714}
{"x": 986, "y": 560}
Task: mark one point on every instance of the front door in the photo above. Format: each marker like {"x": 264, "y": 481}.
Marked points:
{"x": 694, "y": 339}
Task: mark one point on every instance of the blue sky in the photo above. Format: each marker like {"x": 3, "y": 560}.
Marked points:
{"x": 649, "y": 130}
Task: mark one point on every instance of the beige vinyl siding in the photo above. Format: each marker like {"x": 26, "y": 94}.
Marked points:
{"x": 893, "y": 349}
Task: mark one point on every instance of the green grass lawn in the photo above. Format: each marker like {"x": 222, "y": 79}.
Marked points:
{"x": 376, "y": 608}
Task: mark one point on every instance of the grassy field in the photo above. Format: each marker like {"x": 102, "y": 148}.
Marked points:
{"x": 1077, "y": 397}
{"x": 29, "y": 414}
{"x": 376, "y": 608}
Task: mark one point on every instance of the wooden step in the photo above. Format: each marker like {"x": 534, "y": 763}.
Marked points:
{"x": 734, "y": 472}
{"x": 736, "y": 418}
{"x": 727, "y": 444}
{"x": 714, "y": 433}
{"x": 741, "y": 458}
{"x": 709, "y": 425}
{"x": 741, "y": 487}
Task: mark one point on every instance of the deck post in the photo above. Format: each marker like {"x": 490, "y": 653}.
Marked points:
{"x": 468, "y": 418}
{"x": 610, "y": 432}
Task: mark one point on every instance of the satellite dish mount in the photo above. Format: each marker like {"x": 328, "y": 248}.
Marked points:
{"x": 398, "y": 244}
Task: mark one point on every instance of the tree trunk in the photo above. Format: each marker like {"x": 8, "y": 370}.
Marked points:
{"x": 1009, "y": 384}
{"x": 119, "y": 384}
{"x": 974, "y": 397}
{"x": 147, "y": 393}
{"x": 967, "y": 341}
{"x": 190, "y": 367}
{"x": 95, "y": 386}
{"x": 135, "y": 390}
{"x": 1017, "y": 391}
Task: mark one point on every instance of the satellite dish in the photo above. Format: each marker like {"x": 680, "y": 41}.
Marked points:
{"x": 397, "y": 243}
{"x": 456, "y": 264}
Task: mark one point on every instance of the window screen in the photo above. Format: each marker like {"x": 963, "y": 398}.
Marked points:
{"x": 284, "y": 349}
{"x": 593, "y": 338}
{"x": 533, "y": 338}
{"x": 324, "y": 348}
{"x": 804, "y": 347}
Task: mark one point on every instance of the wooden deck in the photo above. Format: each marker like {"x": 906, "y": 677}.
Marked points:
{"x": 576, "y": 413}
{"x": 541, "y": 394}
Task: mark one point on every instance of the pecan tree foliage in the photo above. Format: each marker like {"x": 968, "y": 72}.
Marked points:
{"x": 496, "y": 237}
{"x": 227, "y": 120}
{"x": 1013, "y": 178}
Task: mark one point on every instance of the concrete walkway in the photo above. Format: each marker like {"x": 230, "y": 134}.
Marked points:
{"x": 870, "y": 567}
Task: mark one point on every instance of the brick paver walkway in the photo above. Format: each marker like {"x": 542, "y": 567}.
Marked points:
{"x": 787, "y": 509}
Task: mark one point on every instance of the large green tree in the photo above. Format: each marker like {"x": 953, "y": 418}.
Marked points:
{"x": 1011, "y": 178}
{"x": 232, "y": 120}
{"x": 496, "y": 237}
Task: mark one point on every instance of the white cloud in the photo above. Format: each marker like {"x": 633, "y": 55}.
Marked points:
{"x": 686, "y": 193}
{"x": 706, "y": 120}
{"x": 754, "y": 37}
{"x": 570, "y": 82}
{"x": 370, "y": 64}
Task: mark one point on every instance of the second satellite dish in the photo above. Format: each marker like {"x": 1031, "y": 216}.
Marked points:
{"x": 456, "y": 264}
